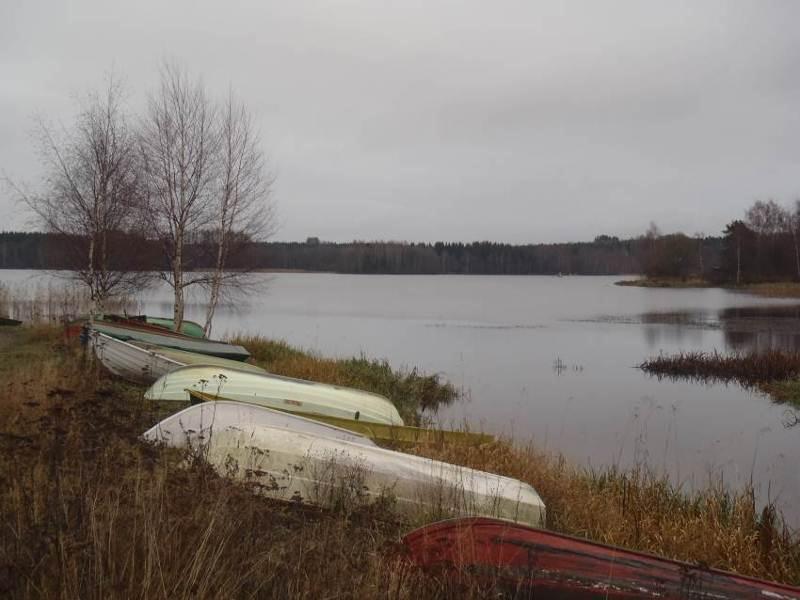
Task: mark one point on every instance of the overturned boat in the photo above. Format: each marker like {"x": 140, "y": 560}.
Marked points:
{"x": 144, "y": 363}
{"x": 159, "y": 336}
{"x": 523, "y": 562}
{"x": 379, "y": 431}
{"x": 275, "y": 391}
{"x": 189, "y": 328}
{"x": 306, "y": 468}
{"x": 194, "y": 426}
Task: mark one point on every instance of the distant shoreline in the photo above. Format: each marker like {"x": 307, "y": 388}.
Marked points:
{"x": 778, "y": 289}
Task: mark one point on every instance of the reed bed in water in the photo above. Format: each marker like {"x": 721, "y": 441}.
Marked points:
{"x": 89, "y": 510}
{"x": 750, "y": 369}
{"x": 53, "y": 301}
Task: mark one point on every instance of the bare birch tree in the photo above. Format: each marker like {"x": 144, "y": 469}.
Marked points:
{"x": 179, "y": 144}
{"x": 91, "y": 193}
{"x": 243, "y": 210}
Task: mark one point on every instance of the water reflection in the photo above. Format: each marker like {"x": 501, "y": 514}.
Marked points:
{"x": 757, "y": 328}
{"x": 744, "y": 329}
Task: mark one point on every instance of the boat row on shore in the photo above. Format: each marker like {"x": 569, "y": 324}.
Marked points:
{"x": 308, "y": 442}
{"x": 300, "y": 439}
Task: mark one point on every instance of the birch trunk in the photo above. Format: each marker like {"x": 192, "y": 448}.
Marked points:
{"x": 177, "y": 280}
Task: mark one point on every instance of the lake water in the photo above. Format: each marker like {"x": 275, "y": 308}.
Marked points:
{"x": 552, "y": 360}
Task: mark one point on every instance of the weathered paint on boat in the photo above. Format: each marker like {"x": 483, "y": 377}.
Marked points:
{"x": 193, "y": 358}
{"x": 193, "y": 426}
{"x": 130, "y": 362}
{"x": 378, "y": 431}
{"x": 159, "y": 336}
{"x": 145, "y": 363}
{"x": 274, "y": 391}
{"x": 189, "y": 328}
{"x": 296, "y": 466}
{"x": 532, "y": 563}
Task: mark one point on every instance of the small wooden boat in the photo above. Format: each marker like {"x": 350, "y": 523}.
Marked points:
{"x": 144, "y": 363}
{"x": 6, "y": 322}
{"x": 274, "y": 391}
{"x": 160, "y": 336}
{"x": 193, "y": 427}
{"x": 378, "y": 431}
{"x": 532, "y": 563}
{"x": 301, "y": 467}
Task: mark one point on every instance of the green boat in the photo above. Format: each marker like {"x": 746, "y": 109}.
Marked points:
{"x": 189, "y": 328}
{"x": 6, "y": 322}
{"x": 375, "y": 431}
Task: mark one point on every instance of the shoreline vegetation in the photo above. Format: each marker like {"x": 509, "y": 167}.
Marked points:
{"x": 773, "y": 372}
{"x": 90, "y": 510}
{"x": 778, "y": 289}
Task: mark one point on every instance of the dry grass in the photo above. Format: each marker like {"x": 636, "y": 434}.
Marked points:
{"x": 410, "y": 390}
{"x": 639, "y": 510}
{"x": 786, "y": 289}
{"x": 88, "y": 510}
{"x": 665, "y": 282}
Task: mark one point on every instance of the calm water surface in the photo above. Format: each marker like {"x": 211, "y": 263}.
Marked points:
{"x": 551, "y": 359}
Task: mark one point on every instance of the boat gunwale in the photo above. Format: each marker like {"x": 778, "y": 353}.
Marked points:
{"x": 235, "y": 350}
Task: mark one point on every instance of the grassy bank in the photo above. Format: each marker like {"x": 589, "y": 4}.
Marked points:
{"x": 775, "y": 372}
{"x": 785, "y": 289}
{"x": 89, "y": 510}
{"x": 665, "y": 282}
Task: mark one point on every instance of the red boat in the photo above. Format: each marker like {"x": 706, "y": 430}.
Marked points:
{"x": 523, "y": 562}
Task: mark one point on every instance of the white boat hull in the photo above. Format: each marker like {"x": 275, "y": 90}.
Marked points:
{"x": 274, "y": 391}
{"x": 300, "y": 467}
{"x": 145, "y": 363}
{"x": 196, "y": 425}
{"x": 130, "y": 362}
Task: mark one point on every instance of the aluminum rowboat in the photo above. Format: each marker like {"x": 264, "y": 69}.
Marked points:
{"x": 145, "y": 363}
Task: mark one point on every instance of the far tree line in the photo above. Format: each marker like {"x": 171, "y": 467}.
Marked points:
{"x": 183, "y": 180}
{"x": 606, "y": 255}
{"x": 760, "y": 247}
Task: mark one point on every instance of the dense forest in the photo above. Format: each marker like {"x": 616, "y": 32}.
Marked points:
{"x": 604, "y": 256}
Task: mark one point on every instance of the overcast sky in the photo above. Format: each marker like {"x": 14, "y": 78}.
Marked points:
{"x": 512, "y": 121}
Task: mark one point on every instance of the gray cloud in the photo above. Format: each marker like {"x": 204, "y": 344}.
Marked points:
{"x": 517, "y": 121}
